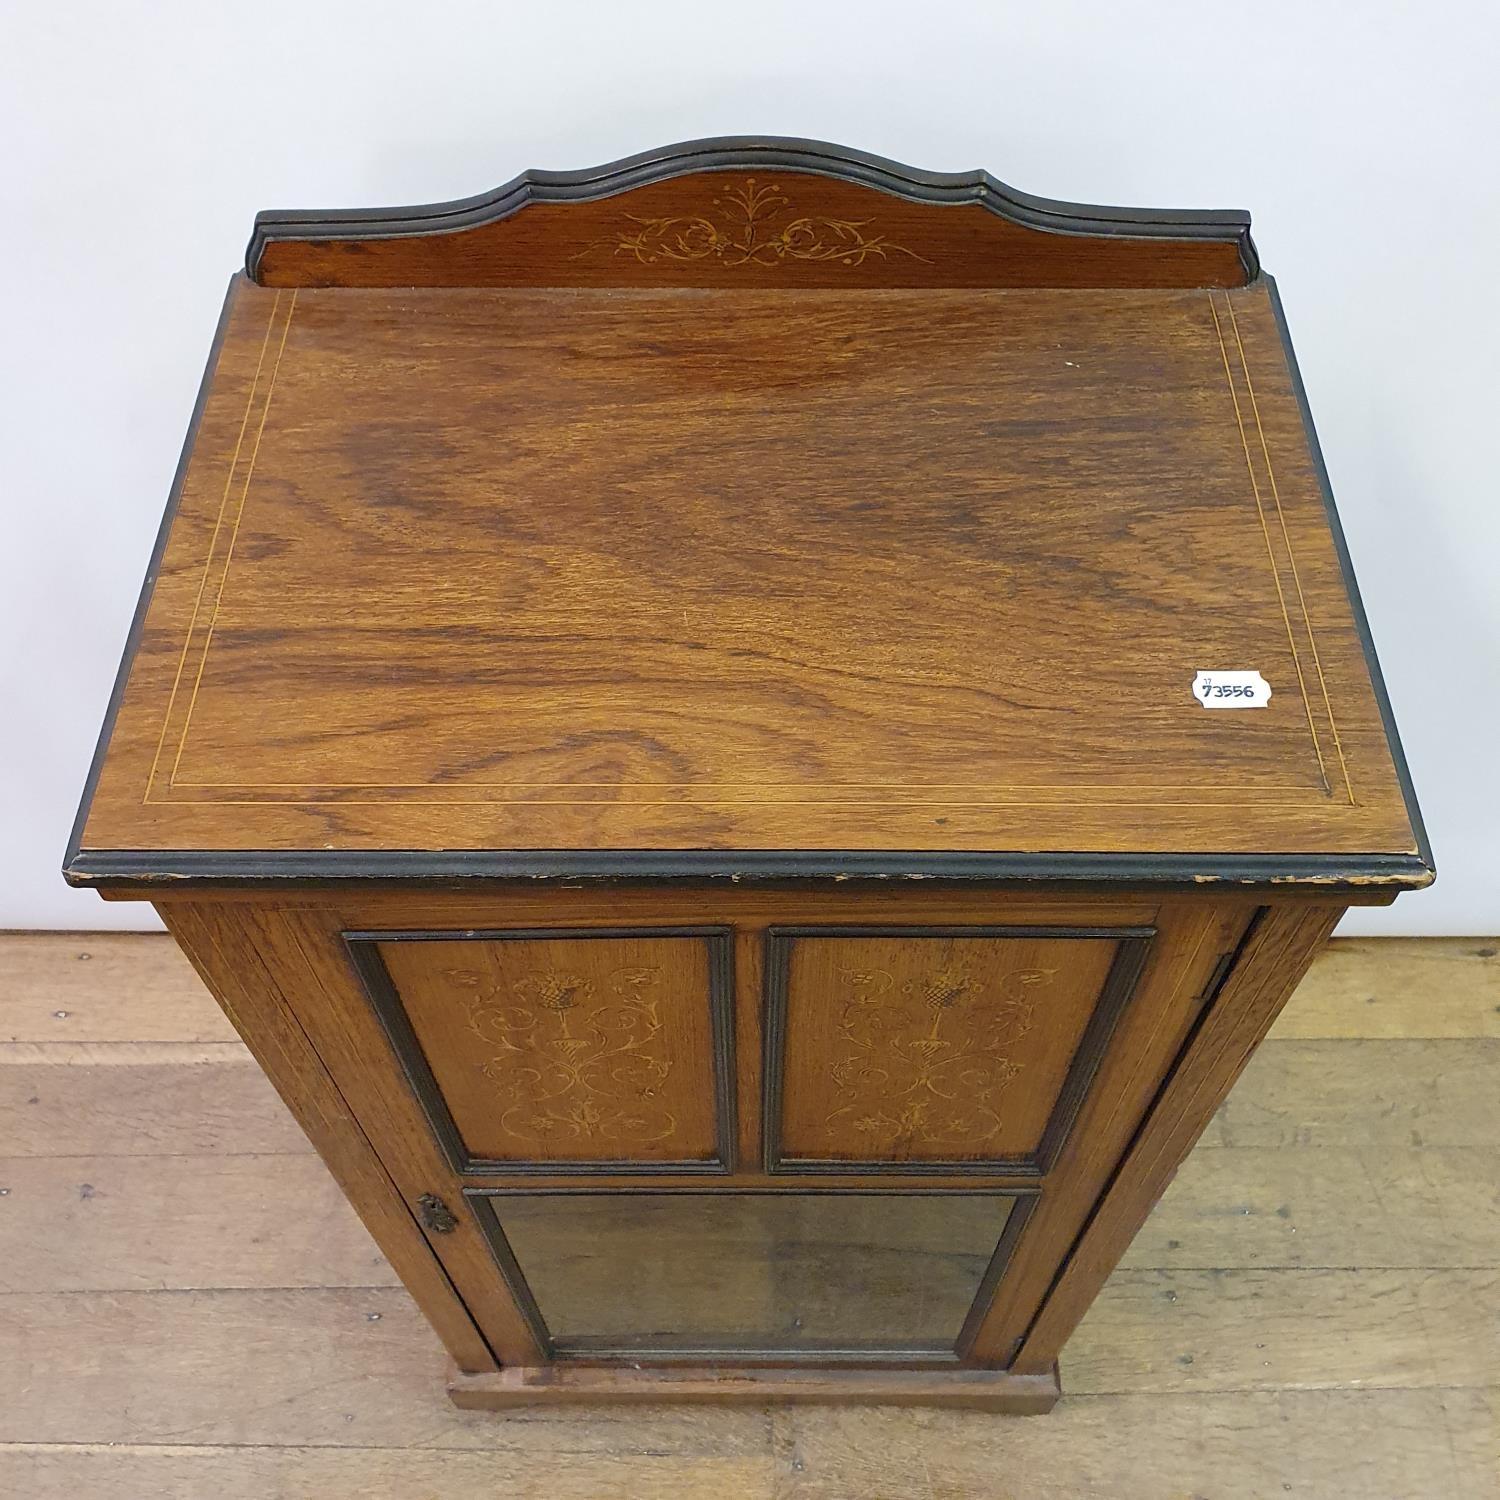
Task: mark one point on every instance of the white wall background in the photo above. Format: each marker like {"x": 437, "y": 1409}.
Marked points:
{"x": 139, "y": 140}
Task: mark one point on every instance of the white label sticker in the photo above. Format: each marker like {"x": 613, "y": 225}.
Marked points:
{"x": 1231, "y": 690}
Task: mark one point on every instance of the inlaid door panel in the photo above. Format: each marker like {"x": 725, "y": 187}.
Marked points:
{"x": 591, "y": 1051}
{"x": 943, "y": 1050}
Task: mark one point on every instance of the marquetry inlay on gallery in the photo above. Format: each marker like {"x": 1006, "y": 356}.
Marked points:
{"x": 752, "y": 737}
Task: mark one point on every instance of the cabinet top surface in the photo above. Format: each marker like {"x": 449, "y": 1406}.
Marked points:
{"x": 620, "y": 572}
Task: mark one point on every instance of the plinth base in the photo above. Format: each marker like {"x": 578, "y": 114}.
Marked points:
{"x": 972, "y": 1390}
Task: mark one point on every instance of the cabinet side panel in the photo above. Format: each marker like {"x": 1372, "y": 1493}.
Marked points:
{"x": 1276, "y": 955}
{"x": 223, "y": 943}
{"x": 304, "y": 951}
{"x": 1193, "y": 937}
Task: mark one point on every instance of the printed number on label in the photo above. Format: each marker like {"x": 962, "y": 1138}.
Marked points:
{"x": 1231, "y": 690}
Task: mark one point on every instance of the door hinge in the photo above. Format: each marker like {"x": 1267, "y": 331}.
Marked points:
{"x": 435, "y": 1214}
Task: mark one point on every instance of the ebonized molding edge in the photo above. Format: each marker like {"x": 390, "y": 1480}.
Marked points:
{"x": 165, "y": 868}
{"x": 1424, "y": 854}
{"x": 733, "y": 153}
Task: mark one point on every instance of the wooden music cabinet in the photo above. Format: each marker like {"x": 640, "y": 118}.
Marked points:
{"x": 752, "y": 738}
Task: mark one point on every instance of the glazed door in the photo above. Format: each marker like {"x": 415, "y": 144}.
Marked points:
{"x": 839, "y": 1140}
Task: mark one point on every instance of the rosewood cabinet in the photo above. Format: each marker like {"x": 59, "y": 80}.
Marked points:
{"x": 752, "y": 738}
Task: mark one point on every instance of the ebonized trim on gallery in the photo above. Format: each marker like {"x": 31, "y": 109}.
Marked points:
{"x": 752, "y": 153}
{"x": 580, "y": 1352}
{"x": 1116, "y": 991}
{"x": 385, "y": 1000}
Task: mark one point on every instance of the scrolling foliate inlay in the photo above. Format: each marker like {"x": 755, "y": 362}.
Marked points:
{"x": 929, "y": 1057}
{"x": 749, "y": 225}
{"x": 576, "y": 1060}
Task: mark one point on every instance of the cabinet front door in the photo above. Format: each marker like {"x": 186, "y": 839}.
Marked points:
{"x": 815, "y": 1128}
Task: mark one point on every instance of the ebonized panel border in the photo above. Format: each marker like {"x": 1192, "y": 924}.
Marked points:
{"x": 386, "y": 1002}
{"x": 989, "y": 1283}
{"x": 756, "y": 153}
{"x": 1119, "y": 985}
{"x": 601, "y": 1352}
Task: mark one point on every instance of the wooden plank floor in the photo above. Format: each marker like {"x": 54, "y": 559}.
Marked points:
{"x": 189, "y": 1311}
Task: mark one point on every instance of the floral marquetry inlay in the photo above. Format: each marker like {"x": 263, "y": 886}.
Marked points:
{"x": 933, "y": 1050}
{"x": 578, "y": 1057}
{"x": 749, "y": 223}
{"x": 927, "y": 1060}
{"x": 573, "y": 1052}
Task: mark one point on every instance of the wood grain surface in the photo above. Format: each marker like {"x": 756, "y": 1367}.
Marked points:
{"x": 206, "y": 1219}
{"x": 103, "y": 987}
{"x": 993, "y": 1391}
{"x": 120, "y": 1388}
{"x": 1398, "y": 987}
{"x": 86, "y": 1104}
{"x": 670, "y": 570}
